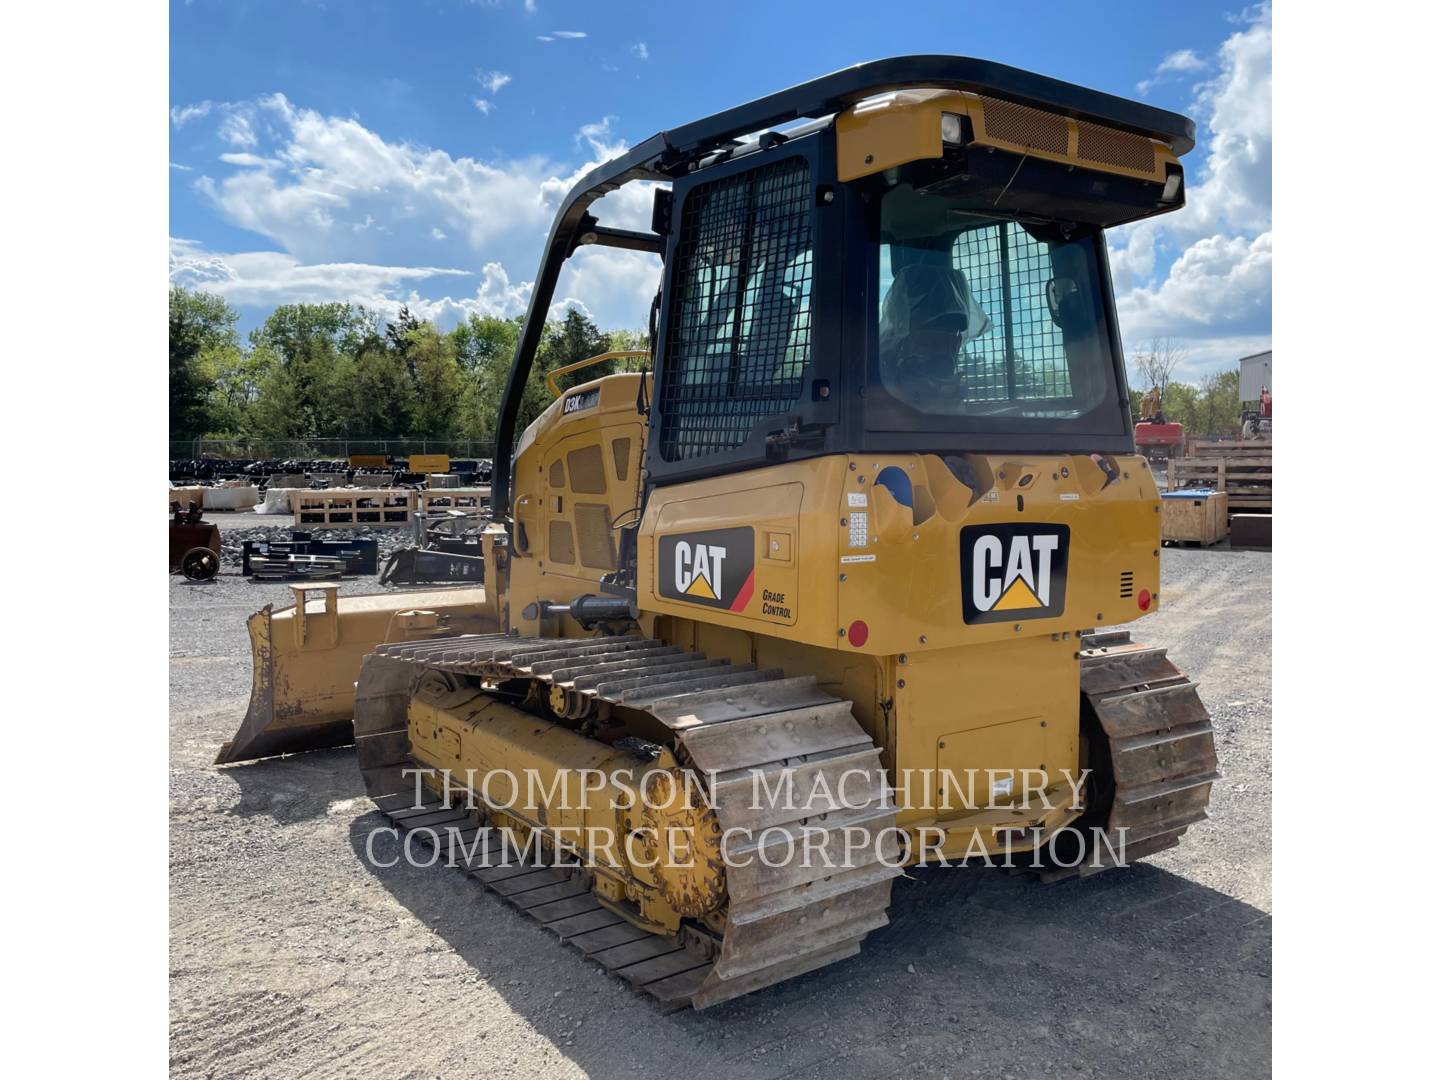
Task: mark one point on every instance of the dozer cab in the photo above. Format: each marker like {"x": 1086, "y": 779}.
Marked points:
{"x": 817, "y": 597}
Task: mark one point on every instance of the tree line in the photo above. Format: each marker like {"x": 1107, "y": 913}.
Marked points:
{"x": 320, "y": 371}
{"x": 315, "y": 371}
{"x": 1210, "y": 407}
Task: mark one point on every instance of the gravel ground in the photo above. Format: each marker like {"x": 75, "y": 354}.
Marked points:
{"x": 290, "y": 955}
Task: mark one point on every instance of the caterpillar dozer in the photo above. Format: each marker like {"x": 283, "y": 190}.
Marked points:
{"x": 860, "y": 535}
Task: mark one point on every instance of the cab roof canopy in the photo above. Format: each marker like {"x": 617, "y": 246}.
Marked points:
{"x": 673, "y": 153}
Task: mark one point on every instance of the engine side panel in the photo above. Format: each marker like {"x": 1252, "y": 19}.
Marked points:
{"x": 577, "y": 481}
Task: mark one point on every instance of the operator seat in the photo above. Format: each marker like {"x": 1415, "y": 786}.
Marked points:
{"x": 926, "y": 318}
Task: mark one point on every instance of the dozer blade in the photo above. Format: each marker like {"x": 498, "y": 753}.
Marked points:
{"x": 306, "y": 657}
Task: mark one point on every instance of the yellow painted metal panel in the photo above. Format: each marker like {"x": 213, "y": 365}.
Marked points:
{"x": 896, "y": 129}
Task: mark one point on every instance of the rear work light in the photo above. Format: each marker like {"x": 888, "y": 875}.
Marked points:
{"x": 951, "y": 130}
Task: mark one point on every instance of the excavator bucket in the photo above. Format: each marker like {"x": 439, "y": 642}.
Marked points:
{"x": 307, "y": 656}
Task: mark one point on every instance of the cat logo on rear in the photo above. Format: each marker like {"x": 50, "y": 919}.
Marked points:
{"x": 1013, "y": 572}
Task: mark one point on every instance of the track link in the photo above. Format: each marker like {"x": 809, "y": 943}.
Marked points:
{"x": 784, "y": 918}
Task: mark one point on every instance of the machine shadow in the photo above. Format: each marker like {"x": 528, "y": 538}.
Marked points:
{"x": 296, "y": 787}
{"x": 965, "y": 946}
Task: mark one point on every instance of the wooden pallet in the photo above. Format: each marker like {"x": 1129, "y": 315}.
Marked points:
{"x": 1242, "y": 470}
{"x": 1214, "y": 448}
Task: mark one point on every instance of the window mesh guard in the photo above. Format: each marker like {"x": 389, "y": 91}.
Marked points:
{"x": 738, "y": 334}
{"x": 1022, "y": 355}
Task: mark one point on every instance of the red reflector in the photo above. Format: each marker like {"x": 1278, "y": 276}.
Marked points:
{"x": 859, "y": 633}
{"x": 1144, "y": 599}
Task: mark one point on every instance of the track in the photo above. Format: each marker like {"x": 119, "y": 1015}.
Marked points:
{"x": 1161, "y": 748}
{"x": 730, "y": 720}
{"x": 786, "y": 915}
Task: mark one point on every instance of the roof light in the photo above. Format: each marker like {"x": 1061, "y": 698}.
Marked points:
{"x": 1171, "y": 191}
{"x": 951, "y": 130}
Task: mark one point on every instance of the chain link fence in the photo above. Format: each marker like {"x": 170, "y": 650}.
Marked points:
{"x": 324, "y": 449}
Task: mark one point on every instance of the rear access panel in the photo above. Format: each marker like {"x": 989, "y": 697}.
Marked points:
{"x": 733, "y": 554}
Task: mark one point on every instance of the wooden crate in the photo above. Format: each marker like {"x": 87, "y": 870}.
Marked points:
{"x": 1240, "y": 469}
{"x": 353, "y": 509}
{"x": 472, "y": 499}
{"x": 186, "y": 495}
{"x": 1197, "y": 517}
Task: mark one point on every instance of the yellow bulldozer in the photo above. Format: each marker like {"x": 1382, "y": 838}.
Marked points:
{"x": 822, "y": 593}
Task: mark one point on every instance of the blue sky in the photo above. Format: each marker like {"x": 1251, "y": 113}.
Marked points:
{"x": 388, "y": 152}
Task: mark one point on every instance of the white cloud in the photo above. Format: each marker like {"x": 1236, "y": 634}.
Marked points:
{"x": 601, "y": 139}
{"x": 619, "y": 284}
{"x": 640, "y": 51}
{"x": 353, "y": 216}
{"x": 180, "y": 115}
{"x": 1180, "y": 62}
{"x": 484, "y": 106}
{"x": 493, "y": 81}
{"x": 182, "y": 168}
{"x": 497, "y": 296}
{"x": 1219, "y": 286}
{"x": 1183, "y": 60}
{"x": 1203, "y": 273}
{"x": 1235, "y": 185}
{"x": 560, "y": 308}
{"x": 1248, "y": 15}
{"x": 252, "y": 160}
{"x": 571, "y": 34}
{"x": 333, "y": 171}
{"x": 236, "y": 130}
{"x": 266, "y": 278}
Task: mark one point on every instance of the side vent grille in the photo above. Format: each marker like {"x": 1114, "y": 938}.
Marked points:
{"x": 1118, "y": 149}
{"x": 1127, "y": 584}
{"x": 1021, "y": 125}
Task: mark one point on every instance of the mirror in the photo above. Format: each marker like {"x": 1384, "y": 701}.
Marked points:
{"x": 1062, "y": 296}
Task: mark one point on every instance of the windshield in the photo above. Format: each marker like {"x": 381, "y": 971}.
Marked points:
{"x": 981, "y": 317}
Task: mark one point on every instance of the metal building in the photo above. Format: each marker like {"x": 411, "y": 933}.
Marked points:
{"x": 1254, "y": 373}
